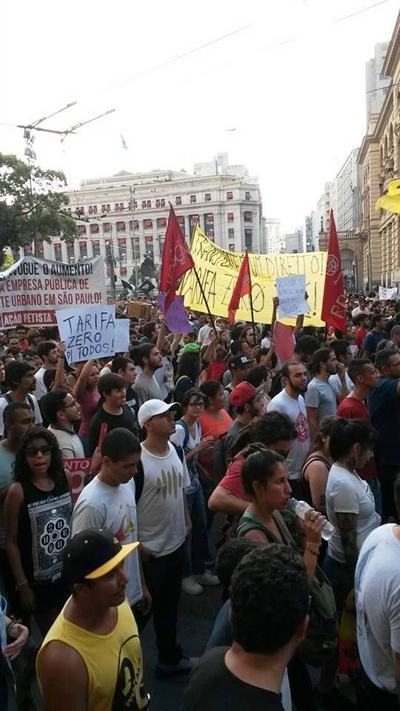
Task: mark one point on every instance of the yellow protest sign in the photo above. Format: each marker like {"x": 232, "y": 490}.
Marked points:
{"x": 218, "y": 270}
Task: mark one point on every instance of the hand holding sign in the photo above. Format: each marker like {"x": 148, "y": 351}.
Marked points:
{"x": 292, "y": 295}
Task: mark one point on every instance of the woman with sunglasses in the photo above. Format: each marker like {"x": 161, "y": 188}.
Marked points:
{"x": 37, "y": 515}
{"x": 188, "y": 435}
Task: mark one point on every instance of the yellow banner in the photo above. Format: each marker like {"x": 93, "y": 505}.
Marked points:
{"x": 218, "y": 271}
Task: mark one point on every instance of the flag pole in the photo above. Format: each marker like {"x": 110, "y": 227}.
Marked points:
{"x": 251, "y": 307}
{"x": 205, "y": 299}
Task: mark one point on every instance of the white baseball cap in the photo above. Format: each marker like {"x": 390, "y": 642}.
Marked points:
{"x": 154, "y": 407}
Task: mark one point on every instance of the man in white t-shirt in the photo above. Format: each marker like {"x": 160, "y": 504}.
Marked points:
{"x": 108, "y": 501}
{"x": 377, "y": 589}
{"x": 20, "y": 377}
{"x": 163, "y": 523}
{"x": 47, "y": 350}
{"x": 343, "y": 353}
{"x": 62, "y": 412}
{"x": 290, "y": 402}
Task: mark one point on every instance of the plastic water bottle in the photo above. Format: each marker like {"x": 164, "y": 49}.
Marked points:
{"x": 300, "y": 508}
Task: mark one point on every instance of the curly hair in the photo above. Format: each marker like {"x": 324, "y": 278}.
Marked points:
{"x": 269, "y": 598}
{"x": 56, "y": 468}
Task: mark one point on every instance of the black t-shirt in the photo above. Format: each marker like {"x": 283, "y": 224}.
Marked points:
{"x": 126, "y": 419}
{"x": 212, "y": 686}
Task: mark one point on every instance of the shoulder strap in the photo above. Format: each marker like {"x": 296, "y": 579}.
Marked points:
{"x": 31, "y": 402}
{"x": 316, "y": 458}
{"x": 139, "y": 481}
{"x": 185, "y": 427}
{"x": 179, "y": 451}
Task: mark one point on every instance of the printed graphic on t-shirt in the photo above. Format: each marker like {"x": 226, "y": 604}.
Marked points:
{"x": 129, "y": 691}
{"x": 169, "y": 483}
{"x": 302, "y": 428}
{"x": 126, "y": 526}
{"x": 50, "y": 525}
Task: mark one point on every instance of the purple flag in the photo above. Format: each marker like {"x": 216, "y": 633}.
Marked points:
{"x": 176, "y": 317}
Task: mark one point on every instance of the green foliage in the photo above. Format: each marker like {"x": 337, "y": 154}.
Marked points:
{"x": 32, "y": 202}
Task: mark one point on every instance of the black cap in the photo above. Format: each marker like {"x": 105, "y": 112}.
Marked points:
{"x": 239, "y": 361}
{"x": 92, "y": 553}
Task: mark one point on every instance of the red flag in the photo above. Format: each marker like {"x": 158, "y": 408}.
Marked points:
{"x": 242, "y": 287}
{"x": 176, "y": 260}
{"x": 334, "y": 298}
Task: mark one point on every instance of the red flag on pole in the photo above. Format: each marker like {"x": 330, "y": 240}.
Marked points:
{"x": 242, "y": 287}
{"x": 176, "y": 260}
{"x": 334, "y": 299}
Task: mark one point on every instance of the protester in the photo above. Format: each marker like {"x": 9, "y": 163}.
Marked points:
{"x": 87, "y": 396}
{"x": 269, "y": 613}
{"x": 14, "y": 347}
{"x": 62, "y": 413}
{"x": 126, "y": 369}
{"x": 342, "y": 350}
{"x": 239, "y": 367}
{"x": 247, "y": 403}
{"x": 188, "y": 371}
{"x": 112, "y": 411}
{"x": 37, "y": 514}
{"x": 373, "y": 338}
{"x": 384, "y": 413}
{"x": 163, "y": 524}
{"x": 47, "y": 350}
{"x": 21, "y": 382}
{"x": 148, "y": 358}
{"x": 108, "y": 501}
{"x": 350, "y": 503}
{"x": 314, "y": 474}
{"x": 320, "y": 396}
{"x": 14, "y": 638}
{"x": 377, "y": 582}
{"x": 290, "y": 402}
{"x": 188, "y": 435}
{"x": 91, "y": 657}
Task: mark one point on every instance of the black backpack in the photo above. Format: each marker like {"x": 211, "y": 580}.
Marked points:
{"x": 139, "y": 476}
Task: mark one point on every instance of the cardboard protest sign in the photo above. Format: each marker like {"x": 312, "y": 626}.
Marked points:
{"x": 76, "y": 471}
{"x": 291, "y": 290}
{"x": 218, "y": 270}
{"x": 32, "y": 290}
{"x": 176, "y": 317}
{"x": 387, "y": 293}
{"x": 88, "y": 332}
{"x": 121, "y": 335}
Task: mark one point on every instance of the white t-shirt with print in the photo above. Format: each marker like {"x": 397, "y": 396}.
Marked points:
{"x": 346, "y": 492}
{"x": 160, "y": 509}
{"x": 377, "y": 588}
{"x": 113, "y": 507}
{"x": 295, "y": 409}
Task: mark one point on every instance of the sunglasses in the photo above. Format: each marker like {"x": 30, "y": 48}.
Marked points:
{"x": 33, "y": 451}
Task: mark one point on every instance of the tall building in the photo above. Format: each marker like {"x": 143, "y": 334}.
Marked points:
{"x": 376, "y": 81}
{"x": 125, "y": 215}
{"x": 310, "y": 242}
{"x": 272, "y": 234}
{"x": 293, "y": 242}
{"x": 348, "y": 193}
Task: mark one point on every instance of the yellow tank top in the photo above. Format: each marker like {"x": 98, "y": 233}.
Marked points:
{"x": 113, "y": 661}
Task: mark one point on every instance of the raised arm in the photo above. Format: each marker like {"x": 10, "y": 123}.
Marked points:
{"x": 81, "y": 383}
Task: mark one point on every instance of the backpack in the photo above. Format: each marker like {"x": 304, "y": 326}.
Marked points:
{"x": 29, "y": 398}
{"x": 139, "y": 476}
{"x": 321, "y": 642}
{"x": 219, "y": 460}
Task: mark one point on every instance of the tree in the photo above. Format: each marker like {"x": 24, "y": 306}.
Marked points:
{"x": 32, "y": 204}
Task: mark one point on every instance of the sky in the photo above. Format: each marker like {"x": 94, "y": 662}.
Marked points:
{"x": 287, "y": 75}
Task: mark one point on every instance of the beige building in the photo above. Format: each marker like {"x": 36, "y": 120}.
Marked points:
{"x": 379, "y": 157}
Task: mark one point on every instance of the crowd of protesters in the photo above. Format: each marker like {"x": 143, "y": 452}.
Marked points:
{"x": 186, "y": 436}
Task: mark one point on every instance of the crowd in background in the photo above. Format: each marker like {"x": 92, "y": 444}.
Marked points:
{"x": 183, "y": 435}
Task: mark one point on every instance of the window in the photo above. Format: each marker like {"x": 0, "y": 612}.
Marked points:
{"x": 248, "y": 217}
{"x": 107, "y": 227}
{"x": 28, "y": 249}
{"x": 83, "y": 249}
{"x": 248, "y": 195}
{"x": 120, "y": 226}
{"x": 143, "y": 204}
{"x": 207, "y": 197}
{"x": 158, "y": 203}
{"x": 121, "y": 206}
{"x": 148, "y": 239}
{"x": 96, "y": 248}
{"x": 58, "y": 252}
{"x": 193, "y": 220}
{"x": 148, "y": 203}
{"x": 161, "y": 244}
{"x": 178, "y": 200}
{"x": 116, "y": 207}
{"x": 71, "y": 252}
{"x": 210, "y": 233}
{"x": 90, "y": 210}
{"x": 122, "y": 249}
{"x": 231, "y": 246}
{"x": 162, "y": 202}
{"x": 230, "y": 216}
{"x": 81, "y": 229}
{"x": 123, "y": 271}
{"x": 210, "y": 219}
{"x": 94, "y": 229}
{"x": 192, "y": 199}
{"x": 248, "y": 239}
{"x": 150, "y": 249}
{"x": 231, "y": 233}
{"x": 229, "y": 196}
{"x": 147, "y": 224}
{"x": 181, "y": 222}
{"x": 103, "y": 208}
{"x": 108, "y": 208}
{"x": 40, "y": 249}
{"x": 161, "y": 222}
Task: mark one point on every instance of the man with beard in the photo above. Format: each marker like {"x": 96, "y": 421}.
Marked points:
{"x": 290, "y": 402}
{"x": 321, "y": 398}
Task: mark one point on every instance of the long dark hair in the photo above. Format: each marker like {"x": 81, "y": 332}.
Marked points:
{"x": 56, "y": 468}
{"x": 189, "y": 365}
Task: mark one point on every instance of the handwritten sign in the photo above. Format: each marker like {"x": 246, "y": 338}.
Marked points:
{"x": 121, "y": 335}
{"x": 88, "y": 332}
{"x": 218, "y": 270}
{"x": 291, "y": 290}
{"x": 32, "y": 290}
{"x": 76, "y": 471}
{"x": 387, "y": 293}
